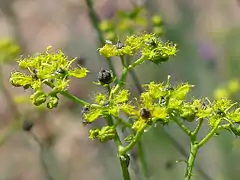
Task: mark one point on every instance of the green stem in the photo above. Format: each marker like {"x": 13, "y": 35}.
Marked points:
{"x": 142, "y": 159}
{"x": 191, "y": 160}
{"x": 209, "y": 135}
{"x": 185, "y": 154}
{"x": 123, "y": 61}
{"x": 184, "y": 128}
{"x": 198, "y": 127}
{"x": 44, "y": 165}
{"x": 121, "y": 156}
{"x": 194, "y": 147}
{"x": 70, "y": 96}
{"x": 141, "y": 155}
{"x": 124, "y": 166}
{"x": 124, "y": 75}
{"x": 124, "y": 123}
{"x": 137, "y": 137}
{"x": 74, "y": 98}
{"x": 95, "y": 23}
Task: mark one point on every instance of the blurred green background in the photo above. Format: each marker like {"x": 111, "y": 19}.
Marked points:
{"x": 207, "y": 35}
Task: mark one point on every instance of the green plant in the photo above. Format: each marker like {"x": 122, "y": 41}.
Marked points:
{"x": 161, "y": 103}
{"x": 229, "y": 91}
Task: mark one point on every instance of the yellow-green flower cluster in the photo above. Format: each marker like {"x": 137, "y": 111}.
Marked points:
{"x": 47, "y": 69}
{"x": 104, "y": 107}
{"x": 148, "y": 45}
{"x": 160, "y": 103}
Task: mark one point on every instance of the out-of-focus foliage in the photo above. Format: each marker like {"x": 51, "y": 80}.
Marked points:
{"x": 230, "y": 90}
{"x": 131, "y": 22}
{"x": 9, "y": 50}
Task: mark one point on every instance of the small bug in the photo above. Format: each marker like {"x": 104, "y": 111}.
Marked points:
{"x": 152, "y": 43}
{"x": 144, "y": 113}
{"x": 119, "y": 45}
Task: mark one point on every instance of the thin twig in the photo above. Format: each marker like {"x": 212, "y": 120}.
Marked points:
{"x": 44, "y": 165}
{"x": 95, "y": 22}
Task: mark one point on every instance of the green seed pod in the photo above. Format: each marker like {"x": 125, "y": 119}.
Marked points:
{"x": 157, "y": 20}
{"x": 53, "y": 102}
{"x": 110, "y": 35}
{"x": 105, "y": 77}
{"x": 159, "y": 31}
{"x": 93, "y": 133}
{"x": 38, "y": 98}
{"x": 107, "y": 133}
{"x": 106, "y": 26}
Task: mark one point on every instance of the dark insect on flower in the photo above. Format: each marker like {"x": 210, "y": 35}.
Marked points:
{"x": 105, "y": 77}
{"x": 119, "y": 45}
{"x": 220, "y": 112}
{"x": 27, "y": 125}
{"x": 152, "y": 43}
{"x": 168, "y": 88}
{"x": 85, "y": 122}
{"x": 86, "y": 109}
{"x": 144, "y": 113}
{"x": 34, "y": 75}
{"x": 204, "y": 105}
{"x": 105, "y": 104}
{"x": 163, "y": 101}
{"x": 60, "y": 71}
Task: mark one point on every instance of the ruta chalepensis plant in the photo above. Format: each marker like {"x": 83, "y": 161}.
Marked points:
{"x": 48, "y": 74}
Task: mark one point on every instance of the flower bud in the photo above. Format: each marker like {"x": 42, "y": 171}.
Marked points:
{"x": 53, "y": 102}
{"x": 38, "y": 98}
{"x": 107, "y": 133}
{"x": 157, "y": 20}
{"x": 93, "y": 133}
